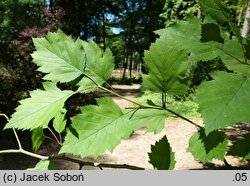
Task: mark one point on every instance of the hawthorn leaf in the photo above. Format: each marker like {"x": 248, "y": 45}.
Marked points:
{"x": 99, "y": 65}
{"x": 45, "y": 165}
{"x": 40, "y": 108}
{"x": 37, "y": 137}
{"x": 213, "y": 8}
{"x": 241, "y": 148}
{"x": 207, "y": 147}
{"x": 232, "y": 57}
{"x": 59, "y": 56}
{"x": 224, "y": 101}
{"x": 200, "y": 51}
{"x": 152, "y": 119}
{"x": 167, "y": 66}
{"x": 161, "y": 155}
{"x": 65, "y": 60}
{"x": 218, "y": 12}
{"x": 59, "y": 122}
{"x": 99, "y": 128}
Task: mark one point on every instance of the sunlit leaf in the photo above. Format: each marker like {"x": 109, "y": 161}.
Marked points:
{"x": 224, "y": 101}
{"x": 206, "y": 148}
{"x": 99, "y": 128}
{"x": 40, "y": 108}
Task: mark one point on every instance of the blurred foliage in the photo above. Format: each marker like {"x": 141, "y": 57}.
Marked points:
{"x": 179, "y": 9}
{"x": 17, "y": 72}
{"x": 176, "y": 10}
{"x": 124, "y": 81}
{"x": 182, "y": 9}
{"x": 186, "y": 108}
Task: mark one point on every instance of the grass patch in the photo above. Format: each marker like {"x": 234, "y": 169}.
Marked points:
{"x": 187, "y": 108}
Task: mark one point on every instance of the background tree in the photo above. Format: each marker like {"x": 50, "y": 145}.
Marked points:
{"x": 22, "y": 20}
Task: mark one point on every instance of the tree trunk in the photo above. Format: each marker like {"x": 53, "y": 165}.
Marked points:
{"x": 131, "y": 64}
{"x": 125, "y": 66}
{"x": 245, "y": 28}
{"x": 103, "y": 30}
{"x": 199, "y": 14}
{"x": 240, "y": 16}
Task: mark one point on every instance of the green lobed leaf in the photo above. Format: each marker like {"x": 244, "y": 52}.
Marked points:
{"x": 40, "y": 108}
{"x": 65, "y": 60}
{"x": 45, "y": 165}
{"x": 192, "y": 28}
{"x": 241, "y": 148}
{"x": 218, "y": 12}
{"x": 152, "y": 119}
{"x": 167, "y": 66}
{"x": 207, "y": 147}
{"x": 99, "y": 64}
{"x": 161, "y": 155}
{"x": 213, "y": 8}
{"x": 37, "y": 137}
{"x": 59, "y": 122}
{"x": 99, "y": 128}
{"x": 224, "y": 101}
{"x": 59, "y": 56}
{"x": 232, "y": 56}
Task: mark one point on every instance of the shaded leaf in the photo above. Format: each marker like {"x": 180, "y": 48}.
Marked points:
{"x": 192, "y": 28}
{"x": 241, "y": 148}
{"x": 161, "y": 155}
{"x": 99, "y": 64}
{"x": 214, "y": 9}
{"x": 37, "y": 137}
{"x": 152, "y": 119}
{"x": 232, "y": 56}
{"x": 217, "y": 11}
{"x": 99, "y": 128}
{"x": 150, "y": 102}
{"x": 211, "y": 32}
{"x": 59, "y": 122}
{"x": 224, "y": 101}
{"x": 40, "y": 108}
{"x": 206, "y": 148}
{"x": 45, "y": 165}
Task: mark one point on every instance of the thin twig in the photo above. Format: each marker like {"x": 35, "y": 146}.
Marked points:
{"x": 136, "y": 109}
{"x": 22, "y": 151}
{"x": 17, "y": 139}
{"x": 172, "y": 112}
{"x": 106, "y": 165}
{"x": 4, "y": 115}
{"x": 60, "y": 138}
{"x": 184, "y": 118}
{"x": 120, "y": 96}
{"x": 15, "y": 133}
{"x": 54, "y": 136}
